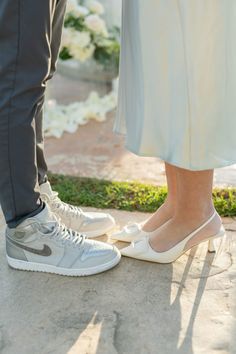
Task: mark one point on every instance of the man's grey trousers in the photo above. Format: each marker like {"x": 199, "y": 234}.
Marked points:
{"x": 30, "y": 34}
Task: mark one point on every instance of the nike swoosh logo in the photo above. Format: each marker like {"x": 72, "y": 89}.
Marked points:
{"x": 45, "y": 252}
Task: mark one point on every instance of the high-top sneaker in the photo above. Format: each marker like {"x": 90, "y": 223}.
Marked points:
{"x": 41, "y": 243}
{"x": 92, "y": 224}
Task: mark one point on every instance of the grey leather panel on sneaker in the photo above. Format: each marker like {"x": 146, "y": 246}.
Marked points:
{"x": 14, "y": 252}
{"x": 43, "y": 244}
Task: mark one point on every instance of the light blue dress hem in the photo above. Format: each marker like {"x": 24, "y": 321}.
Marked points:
{"x": 176, "y": 164}
{"x": 172, "y": 161}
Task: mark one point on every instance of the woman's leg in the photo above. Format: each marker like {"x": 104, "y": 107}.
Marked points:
{"x": 194, "y": 205}
{"x": 166, "y": 211}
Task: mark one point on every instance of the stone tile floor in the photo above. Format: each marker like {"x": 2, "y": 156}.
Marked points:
{"x": 137, "y": 308}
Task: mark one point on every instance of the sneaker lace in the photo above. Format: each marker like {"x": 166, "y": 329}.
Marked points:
{"x": 57, "y": 204}
{"x": 59, "y": 232}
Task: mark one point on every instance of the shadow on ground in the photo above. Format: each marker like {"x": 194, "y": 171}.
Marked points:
{"x": 137, "y": 307}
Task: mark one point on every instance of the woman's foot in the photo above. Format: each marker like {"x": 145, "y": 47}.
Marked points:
{"x": 134, "y": 232}
{"x": 180, "y": 226}
{"x": 170, "y": 250}
{"x": 160, "y": 217}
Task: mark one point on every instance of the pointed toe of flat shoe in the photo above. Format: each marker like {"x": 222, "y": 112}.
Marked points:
{"x": 136, "y": 249}
{"x": 126, "y": 251}
{"x": 143, "y": 251}
{"x": 129, "y": 233}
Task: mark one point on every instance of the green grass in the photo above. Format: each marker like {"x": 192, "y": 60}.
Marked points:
{"x": 131, "y": 196}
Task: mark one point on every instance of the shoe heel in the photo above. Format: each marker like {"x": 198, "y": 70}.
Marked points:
{"x": 211, "y": 246}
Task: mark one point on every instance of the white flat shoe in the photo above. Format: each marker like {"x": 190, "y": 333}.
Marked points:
{"x": 131, "y": 233}
{"x": 142, "y": 250}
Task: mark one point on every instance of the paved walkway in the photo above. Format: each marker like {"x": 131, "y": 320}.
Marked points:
{"x": 137, "y": 308}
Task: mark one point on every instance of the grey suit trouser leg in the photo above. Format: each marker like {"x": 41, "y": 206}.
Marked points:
{"x": 30, "y": 34}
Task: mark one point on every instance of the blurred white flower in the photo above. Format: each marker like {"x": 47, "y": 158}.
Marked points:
{"x": 75, "y": 9}
{"x": 71, "y": 5}
{"x": 96, "y": 24}
{"x": 81, "y": 11}
{"x": 66, "y": 37}
{"x": 81, "y": 54}
{"x": 84, "y": 31}
{"x": 80, "y": 39}
{"x": 78, "y": 44}
{"x": 95, "y": 6}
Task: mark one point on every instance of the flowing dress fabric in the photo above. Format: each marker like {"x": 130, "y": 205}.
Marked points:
{"x": 177, "y": 89}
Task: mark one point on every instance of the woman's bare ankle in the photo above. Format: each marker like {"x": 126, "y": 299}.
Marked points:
{"x": 161, "y": 216}
{"x": 180, "y": 226}
{"x": 193, "y": 218}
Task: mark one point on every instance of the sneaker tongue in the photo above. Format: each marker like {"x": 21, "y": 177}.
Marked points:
{"x": 45, "y": 215}
{"x": 47, "y": 220}
{"x": 46, "y": 188}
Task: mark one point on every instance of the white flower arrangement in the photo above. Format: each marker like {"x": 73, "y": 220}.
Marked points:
{"x": 86, "y": 35}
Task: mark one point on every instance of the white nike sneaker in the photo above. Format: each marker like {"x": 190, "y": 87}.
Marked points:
{"x": 41, "y": 243}
{"x": 92, "y": 224}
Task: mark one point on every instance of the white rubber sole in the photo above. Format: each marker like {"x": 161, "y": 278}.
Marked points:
{"x": 46, "y": 268}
